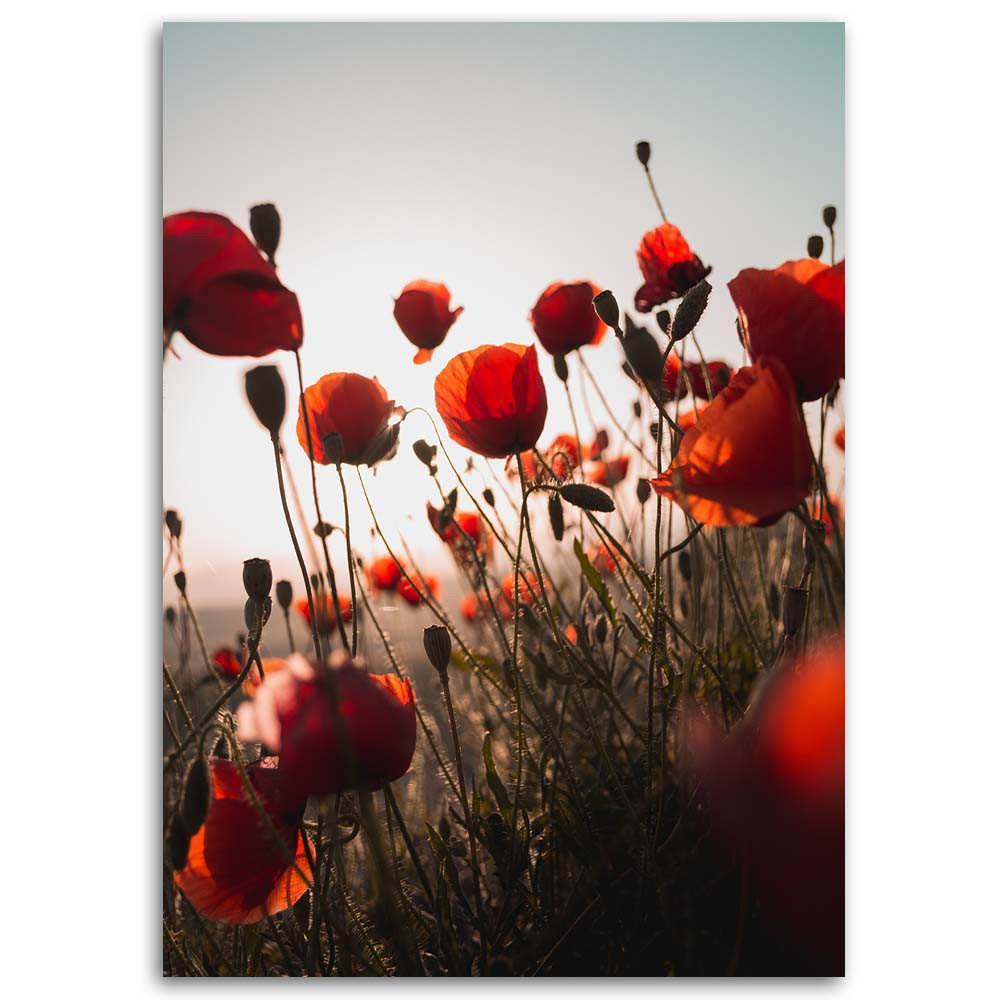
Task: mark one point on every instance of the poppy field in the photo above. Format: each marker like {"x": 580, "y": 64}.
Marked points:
{"x": 618, "y": 747}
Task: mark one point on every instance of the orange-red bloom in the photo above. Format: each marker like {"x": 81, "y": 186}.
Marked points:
{"x": 356, "y": 408}
{"x": 601, "y": 559}
{"x": 719, "y": 376}
{"x": 563, "y": 456}
{"x": 839, "y": 439}
{"x": 668, "y": 266}
{"x": 228, "y": 661}
{"x": 564, "y": 317}
{"x": 424, "y": 314}
{"x": 221, "y": 293}
{"x": 293, "y": 713}
{"x": 689, "y": 418}
{"x": 492, "y": 399}
{"x": 236, "y": 872}
{"x": 411, "y": 594}
{"x": 747, "y": 460}
{"x": 675, "y": 386}
{"x": 775, "y": 795}
{"x": 464, "y": 529}
{"x": 795, "y": 313}
{"x": 609, "y": 473}
{"x": 326, "y": 614}
{"x": 384, "y": 574}
{"x": 470, "y": 607}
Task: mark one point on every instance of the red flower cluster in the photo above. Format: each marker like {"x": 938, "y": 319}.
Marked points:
{"x": 608, "y": 473}
{"x": 464, "y": 533}
{"x": 424, "y": 314}
{"x": 668, "y": 267}
{"x": 564, "y": 319}
{"x": 562, "y": 457}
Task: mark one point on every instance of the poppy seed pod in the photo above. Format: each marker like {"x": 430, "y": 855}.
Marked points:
{"x": 265, "y": 225}
{"x": 642, "y": 151}
{"x": 180, "y": 578}
{"x": 793, "y": 609}
{"x": 601, "y": 629}
{"x": 643, "y": 352}
{"x": 170, "y": 615}
{"x": 587, "y": 497}
{"x": 250, "y": 611}
{"x": 664, "y": 321}
{"x": 814, "y": 247}
{"x": 642, "y": 490}
{"x": 829, "y": 216}
{"x": 606, "y": 307}
{"x": 489, "y": 498}
{"x": 556, "y": 516}
{"x": 689, "y": 312}
{"x": 562, "y": 369}
{"x": 437, "y": 646}
{"x": 283, "y": 591}
{"x": 265, "y": 391}
{"x": 173, "y": 523}
{"x": 257, "y": 578}
{"x": 197, "y": 795}
{"x": 333, "y": 448}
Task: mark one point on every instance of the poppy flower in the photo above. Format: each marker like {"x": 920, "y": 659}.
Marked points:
{"x": 564, "y": 318}
{"x": 229, "y": 662}
{"x": 470, "y": 607}
{"x": 689, "y": 418}
{"x": 356, "y": 408}
{"x": 571, "y": 633}
{"x": 424, "y": 314}
{"x": 839, "y": 439}
{"x": 674, "y": 384}
{"x": 327, "y": 617}
{"x": 608, "y": 473}
{"x": 719, "y": 376}
{"x": 293, "y": 714}
{"x": 384, "y": 573}
{"x": 775, "y": 796}
{"x": 599, "y": 445}
{"x": 492, "y": 399}
{"x": 236, "y": 872}
{"x": 221, "y": 293}
{"x": 463, "y": 528}
{"x": 601, "y": 559}
{"x": 668, "y": 266}
{"x": 411, "y": 594}
{"x": 795, "y": 313}
{"x": 270, "y": 665}
{"x": 563, "y": 456}
{"x": 747, "y": 460}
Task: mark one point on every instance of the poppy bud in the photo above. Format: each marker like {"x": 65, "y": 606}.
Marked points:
{"x": 627, "y": 368}
{"x": 556, "y": 516}
{"x": 170, "y": 615}
{"x": 265, "y": 224}
{"x": 322, "y": 529}
{"x": 793, "y": 609}
{"x": 265, "y": 389}
{"x": 562, "y": 370}
{"x": 829, "y": 216}
{"x": 654, "y": 429}
{"x": 333, "y": 448}
{"x": 382, "y": 447}
{"x": 601, "y": 629}
{"x": 684, "y": 564}
{"x": 221, "y": 749}
{"x": 437, "y": 646}
{"x": 178, "y": 842}
{"x": 425, "y": 452}
{"x": 606, "y": 307}
{"x": 587, "y": 497}
{"x": 642, "y": 151}
{"x": 643, "y": 490}
{"x": 643, "y": 352}
{"x": 690, "y": 310}
{"x": 814, "y": 247}
{"x": 664, "y": 321}
{"x": 489, "y": 498}
{"x": 180, "y": 578}
{"x": 173, "y": 523}
{"x": 250, "y": 610}
{"x": 283, "y": 591}
{"x": 197, "y": 795}
{"x": 257, "y": 578}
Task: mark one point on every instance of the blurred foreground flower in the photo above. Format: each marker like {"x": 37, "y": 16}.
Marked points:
{"x": 564, "y": 319}
{"x": 668, "y": 267}
{"x": 236, "y": 872}
{"x": 747, "y": 460}
{"x": 775, "y": 794}
{"x": 795, "y": 313}
{"x": 840, "y": 439}
{"x": 492, "y": 399}
{"x": 424, "y": 314}
{"x": 608, "y": 473}
{"x": 293, "y": 713}
{"x": 221, "y": 293}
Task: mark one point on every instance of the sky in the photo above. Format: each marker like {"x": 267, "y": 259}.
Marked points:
{"x": 495, "y": 157}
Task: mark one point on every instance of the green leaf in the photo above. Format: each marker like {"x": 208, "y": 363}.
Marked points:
{"x": 500, "y": 795}
{"x": 596, "y": 582}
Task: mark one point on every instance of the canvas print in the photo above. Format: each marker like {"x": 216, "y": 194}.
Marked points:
{"x": 503, "y": 499}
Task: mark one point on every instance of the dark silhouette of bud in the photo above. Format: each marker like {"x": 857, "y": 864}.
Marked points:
{"x": 173, "y": 523}
{"x": 829, "y": 216}
{"x": 654, "y": 429}
{"x": 637, "y": 408}
{"x": 333, "y": 448}
{"x": 606, "y": 307}
{"x": 178, "y": 842}
{"x": 283, "y": 591}
{"x": 684, "y": 564}
{"x": 690, "y": 310}
{"x": 556, "y": 516}
{"x": 489, "y": 498}
{"x": 793, "y": 609}
{"x": 601, "y": 629}
{"x": 265, "y": 389}
{"x": 587, "y": 497}
{"x": 265, "y": 224}
{"x": 180, "y": 578}
{"x": 314, "y": 581}
{"x": 642, "y": 151}
{"x": 170, "y": 615}
{"x": 642, "y": 351}
{"x": 197, "y": 795}
{"x": 221, "y": 749}
{"x": 250, "y": 613}
{"x": 643, "y": 490}
{"x": 664, "y": 321}
{"x": 437, "y": 646}
{"x": 774, "y": 601}
{"x": 814, "y": 247}
{"x": 562, "y": 369}
{"x": 323, "y": 529}
{"x": 257, "y": 578}
{"x": 425, "y": 452}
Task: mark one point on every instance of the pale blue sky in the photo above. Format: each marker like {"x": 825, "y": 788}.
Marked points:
{"x": 494, "y": 157}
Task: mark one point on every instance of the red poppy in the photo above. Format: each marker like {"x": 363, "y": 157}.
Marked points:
{"x": 669, "y": 267}
{"x": 839, "y": 439}
{"x": 384, "y": 573}
{"x": 563, "y": 456}
{"x": 492, "y": 399}
{"x": 293, "y": 714}
{"x": 411, "y": 594}
{"x": 327, "y": 617}
{"x": 228, "y": 661}
{"x": 775, "y": 796}
{"x": 270, "y": 665}
{"x": 236, "y": 871}
{"x": 528, "y": 593}
{"x": 470, "y": 607}
{"x": 356, "y": 408}
{"x": 571, "y": 633}
{"x": 689, "y": 418}
{"x": 608, "y": 473}
{"x": 564, "y": 317}
{"x": 719, "y": 376}
{"x": 221, "y": 293}
{"x": 464, "y": 528}
{"x": 424, "y": 314}
{"x": 675, "y": 385}
{"x": 747, "y": 460}
{"x": 601, "y": 559}
{"x": 795, "y": 313}
{"x": 599, "y": 445}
